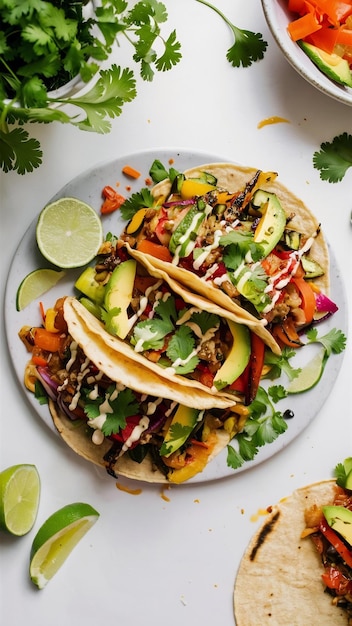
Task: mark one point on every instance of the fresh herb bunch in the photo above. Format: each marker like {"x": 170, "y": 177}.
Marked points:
{"x": 44, "y": 44}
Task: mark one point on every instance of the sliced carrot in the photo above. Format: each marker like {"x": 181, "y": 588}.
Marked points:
{"x": 297, "y": 6}
{"x": 303, "y": 26}
{"x": 154, "y": 249}
{"x": 344, "y": 36}
{"x": 286, "y": 334}
{"x": 307, "y": 296}
{"x": 130, "y": 171}
{"x": 39, "y": 360}
{"x": 325, "y": 39}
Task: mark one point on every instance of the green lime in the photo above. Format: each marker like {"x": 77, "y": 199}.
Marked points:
{"x": 35, "y": 284}
{"x": 69, "y": 233}
{"x": 56, "y": 539}
{"x": 19, "y": 498}
{"x": 309, "y": 375}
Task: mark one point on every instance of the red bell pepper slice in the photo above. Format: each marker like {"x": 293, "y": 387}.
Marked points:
{"x": 336, "y": 542}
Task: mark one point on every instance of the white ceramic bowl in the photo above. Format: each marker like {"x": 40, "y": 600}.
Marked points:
{"x": 278, "y": 16}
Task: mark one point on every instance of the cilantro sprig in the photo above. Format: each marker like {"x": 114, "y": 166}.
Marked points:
{"x": 121, "y": 407}
{"x": 43, "y": 45}
{"x": 248, "y": 46}
{"x": 263, "y": 426}
{"x": 334, "y": 158}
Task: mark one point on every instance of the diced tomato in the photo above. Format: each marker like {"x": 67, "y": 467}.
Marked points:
{"x": 123, "y": 435}
{"x": 334, "y": 579}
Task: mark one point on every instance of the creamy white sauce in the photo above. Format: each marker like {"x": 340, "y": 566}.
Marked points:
{"x": 136, "y": 433}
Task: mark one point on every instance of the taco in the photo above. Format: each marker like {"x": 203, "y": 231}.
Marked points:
{"x": 118, "y": 414}
{"x": 238, "y": 237}
{"x": 141, "y": 312}
{"x": 293, "y": 558}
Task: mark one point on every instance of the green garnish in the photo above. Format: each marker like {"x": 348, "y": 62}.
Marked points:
{"x": 263, "y": 426}
{"x": 342, "y": 470}
{"x": 334, "y": 158}
{"x": 248, "y": 46}
{"x": 281, "y": 363}
{"x": 42, "y": 46}
{"x": 124, "y": 405}
{"x": 139, "y": 200}
{"x": 334, "y": 341}
{"x": 158, "y": 172}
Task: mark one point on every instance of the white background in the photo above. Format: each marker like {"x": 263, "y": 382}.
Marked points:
{"x": 151, "y": 560}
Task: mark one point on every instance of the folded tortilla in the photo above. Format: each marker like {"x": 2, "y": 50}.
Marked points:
{"x": 279, "y": 581}
{"x": 119, "y": 368}
{"x": 234, "y": 178}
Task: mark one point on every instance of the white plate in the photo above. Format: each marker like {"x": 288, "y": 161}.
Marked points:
{"x": 88, "y": 187}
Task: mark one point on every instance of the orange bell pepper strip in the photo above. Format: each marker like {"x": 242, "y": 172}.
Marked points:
{"x": 50, "y": 342}
{"x": 307, "y": 296}
{"x": 303, "y": 26}
{"x": 154, "y": 249}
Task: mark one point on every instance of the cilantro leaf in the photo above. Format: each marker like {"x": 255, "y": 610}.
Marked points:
{"x": 158, "y": 172}
{"x": 150, "y": 334}
{"x": 277, "y": 392}
{"x": 18, "y": 151}
{"x": 205, "y": 320}
{"x": 342, "y": 470}
{"x": 119, "y": 408}
{"x": 334, "y": 341}
{"x": 334, "y": 158}
{"x": 263, "y": 426}
{"x": 180, "y": 346}
{"x": 140, "y": 200}
{"x": 248, "y": 46}
{"x": 280, "y": 363}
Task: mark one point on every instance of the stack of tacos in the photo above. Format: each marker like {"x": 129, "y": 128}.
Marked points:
{"x": 178, "y": 311}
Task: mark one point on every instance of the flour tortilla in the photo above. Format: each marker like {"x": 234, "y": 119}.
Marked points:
{"x": 234, "y": 178}
{"x": 279, "y": 579}
{"x": 119, "y": 368}
{"x": 79, "y": 438}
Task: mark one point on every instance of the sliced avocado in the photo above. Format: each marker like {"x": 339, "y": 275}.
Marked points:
{"x": 179, "y": 430}
{"x": 340, "y": 520}
{"x": 237, "y": 358}
{"x": 90, "y": 287}
{"x": 118, "y": 295}
{"x": 332, "y": 65}
{"x": 273, "y": 221}
{"x": 348, "y": 483}
{"x": 186, "y": 232}
{"x": 94, "y": 308}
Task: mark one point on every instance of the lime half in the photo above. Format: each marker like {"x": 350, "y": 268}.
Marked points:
{"x": 19, "y": 498}
{"x": 69, "y": 233}
{"x": 56, "y": 539}
{"x": 309, "y": 375}
{"x": 35, "y": 284}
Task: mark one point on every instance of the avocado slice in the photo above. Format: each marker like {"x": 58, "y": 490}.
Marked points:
{"x": 184, "y": 236}
{"x": 340, "y": 520}
{"x": 90, "y": 287}
{"x": 332, "y": 65}
{"x": 273, "y": 221}
{"x": 179, "y": 430}
{"x": 237, "y": 358}
{"x": 118, "y": 295}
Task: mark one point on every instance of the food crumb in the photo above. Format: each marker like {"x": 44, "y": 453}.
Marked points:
{"x": 171, "y": 161}
{"x": 255, "y": 517}
{"x": 163, "y": 496}
{"x": 274, "y": 119}
{"x": 183, "y": 600}
{"x": 132, "y": 492}
{"x": 196, "y": 500}
{"x": 148, "y": 182}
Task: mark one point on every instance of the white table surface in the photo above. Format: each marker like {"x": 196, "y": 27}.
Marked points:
{"x": 151, "y": 560}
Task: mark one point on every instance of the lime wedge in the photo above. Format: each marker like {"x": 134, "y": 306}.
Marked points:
{"x": 35, "y": 284}
{"x": 309, "y": 375}
{"x": 56, "y": 539}
{"x": 69, "y": 233}
{"x": 19, "y": 498}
